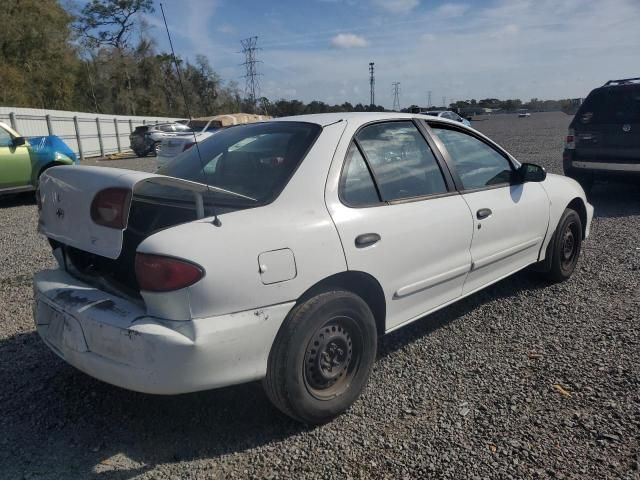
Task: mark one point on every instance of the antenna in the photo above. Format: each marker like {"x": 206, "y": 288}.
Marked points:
{"x": 252, "y": 84}
{"x": 396, "y": 96}
{"x": 372, "y": 84}
{"x": 216, "y": 220}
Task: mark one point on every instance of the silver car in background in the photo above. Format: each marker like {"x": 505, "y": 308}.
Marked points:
{"x": 199, "y": 129}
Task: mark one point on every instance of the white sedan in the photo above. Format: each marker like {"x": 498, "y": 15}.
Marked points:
{"x": 286, "y": 248}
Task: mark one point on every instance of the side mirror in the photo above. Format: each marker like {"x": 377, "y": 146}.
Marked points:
{"x": 529, "y": 172}
{"x": 17, "y": 141}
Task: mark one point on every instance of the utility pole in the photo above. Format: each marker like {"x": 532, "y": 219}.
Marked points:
{"x": 444, "y": 101}
{"x": 396, "y": 96}
{"x": 252, "y": 84}
{"x": 429, "y": 99}
{"x": 372, "y": 85}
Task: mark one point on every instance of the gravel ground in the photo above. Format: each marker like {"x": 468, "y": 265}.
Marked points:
{"x": 522, "y": 380}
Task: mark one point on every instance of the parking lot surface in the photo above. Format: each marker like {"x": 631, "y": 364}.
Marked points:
{"x": 522, "y": 380}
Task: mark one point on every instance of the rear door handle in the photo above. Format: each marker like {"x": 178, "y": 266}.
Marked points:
{"x": 483, "y": 213}
{"x": 367, "y": 239}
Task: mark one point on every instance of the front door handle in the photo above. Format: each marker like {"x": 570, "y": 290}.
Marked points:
{"x": 367, "y": 239}
{"x": 483, "y": 213}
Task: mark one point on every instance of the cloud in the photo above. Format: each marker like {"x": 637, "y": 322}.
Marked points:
{"x": 451, "y": 10}
{"x": 400, "y": 7}
{"x": 226, "y": 28}
{"x": 349, "y": 40}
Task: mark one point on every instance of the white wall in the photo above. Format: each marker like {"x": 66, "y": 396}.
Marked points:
{"x": 31, "y": 122}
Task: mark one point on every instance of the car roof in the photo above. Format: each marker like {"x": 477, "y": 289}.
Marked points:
{"x": 324, "y": 119}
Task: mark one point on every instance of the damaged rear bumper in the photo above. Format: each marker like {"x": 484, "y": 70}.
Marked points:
{"x": 112, "y": 339}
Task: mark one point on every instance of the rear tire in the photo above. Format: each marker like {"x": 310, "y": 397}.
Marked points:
{"x": 565, "y": 250}
{"x": 322, "y": 356}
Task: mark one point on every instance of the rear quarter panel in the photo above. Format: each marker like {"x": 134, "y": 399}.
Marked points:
{"x": 297, "y": 220}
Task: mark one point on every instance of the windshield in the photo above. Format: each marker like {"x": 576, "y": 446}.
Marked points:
{"x": 253, "y": 163}
{"x": 611, "y": 105}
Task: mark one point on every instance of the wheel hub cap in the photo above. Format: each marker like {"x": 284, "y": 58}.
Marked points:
{"x": 328, "y": 356}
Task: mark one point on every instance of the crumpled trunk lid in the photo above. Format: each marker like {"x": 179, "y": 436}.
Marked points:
{"x": 66, "y": 194}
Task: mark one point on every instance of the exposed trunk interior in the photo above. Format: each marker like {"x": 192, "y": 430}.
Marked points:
{"x": 154, "y": 207}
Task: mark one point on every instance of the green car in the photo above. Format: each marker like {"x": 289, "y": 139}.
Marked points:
{"x": 22, "y": 161}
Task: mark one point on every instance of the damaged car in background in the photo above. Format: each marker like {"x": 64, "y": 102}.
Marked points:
{"x": 281, "y": 251}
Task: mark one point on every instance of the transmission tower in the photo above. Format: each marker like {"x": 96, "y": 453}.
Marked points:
{"x": 372, "y": 84}
{"x": 429, "y": 99}
{"x": 396, "y": 96}
{"x": 252, "y": 83}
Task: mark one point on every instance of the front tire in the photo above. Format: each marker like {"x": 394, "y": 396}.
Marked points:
{"x": 566, "y": 246}
{"x": 322, "y": 356}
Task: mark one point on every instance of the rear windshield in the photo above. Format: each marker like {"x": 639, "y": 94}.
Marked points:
{"x": 611, "y": 105}
{"x": 141, "y": 129}
{"x": 199, "y": 125}
{"x": 252, "y": 163}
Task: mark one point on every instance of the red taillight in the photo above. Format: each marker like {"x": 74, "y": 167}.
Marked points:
{"x": 187, "y": 146}
{"x": 110, "y": 207}
{"x": 570, "y": 143}
{"x": 156, "y": 273}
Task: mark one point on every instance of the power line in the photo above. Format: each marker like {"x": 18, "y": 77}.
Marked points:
{"x": 252, "y": 83}
{"x": 396, "y": 96}
{"x": 372, "y": 84}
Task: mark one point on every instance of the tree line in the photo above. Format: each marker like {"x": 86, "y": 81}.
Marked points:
{"x": 100, "y": 58}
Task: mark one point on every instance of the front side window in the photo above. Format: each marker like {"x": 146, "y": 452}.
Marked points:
{"x": 402, "y": 162}
{"x": 477, "y": 164}
{"x": 255, "y": 161}
{"x": 5, "y": 138}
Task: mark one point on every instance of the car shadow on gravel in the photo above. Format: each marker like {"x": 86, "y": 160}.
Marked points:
{"x": 615, "y": 199}
{"x": 17, "y": 200}
{"x": 60, "y": 423}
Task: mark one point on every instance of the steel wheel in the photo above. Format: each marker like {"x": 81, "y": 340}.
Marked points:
{"x": 569, "y": 246}
{"x": 332, "y": 358}
{"x": 565, "y": 246}
{"x": 322, "y": 356}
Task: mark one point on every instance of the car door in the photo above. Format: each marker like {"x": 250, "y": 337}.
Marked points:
{"x": 510, "y": 218}
{"x": 401, "y": 220}
{"x": 15, "y": 162}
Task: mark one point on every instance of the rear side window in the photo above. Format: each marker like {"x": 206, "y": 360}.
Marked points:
{"x": 357, "y": 187}
{"x": 402, "y": 162}
{"x": 477, "y": 164}
{"x": 253, "y": 161}
{"x": 611, "y": 105}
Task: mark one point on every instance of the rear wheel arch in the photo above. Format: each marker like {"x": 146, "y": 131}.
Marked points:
{"x": 360, "y": 283}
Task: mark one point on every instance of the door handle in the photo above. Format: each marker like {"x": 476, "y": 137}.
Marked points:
{"x": 367, "y": 239}
{"x": 483, "y": 213}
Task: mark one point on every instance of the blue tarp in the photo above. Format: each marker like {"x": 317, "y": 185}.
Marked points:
{"x": 49, "y": 148}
